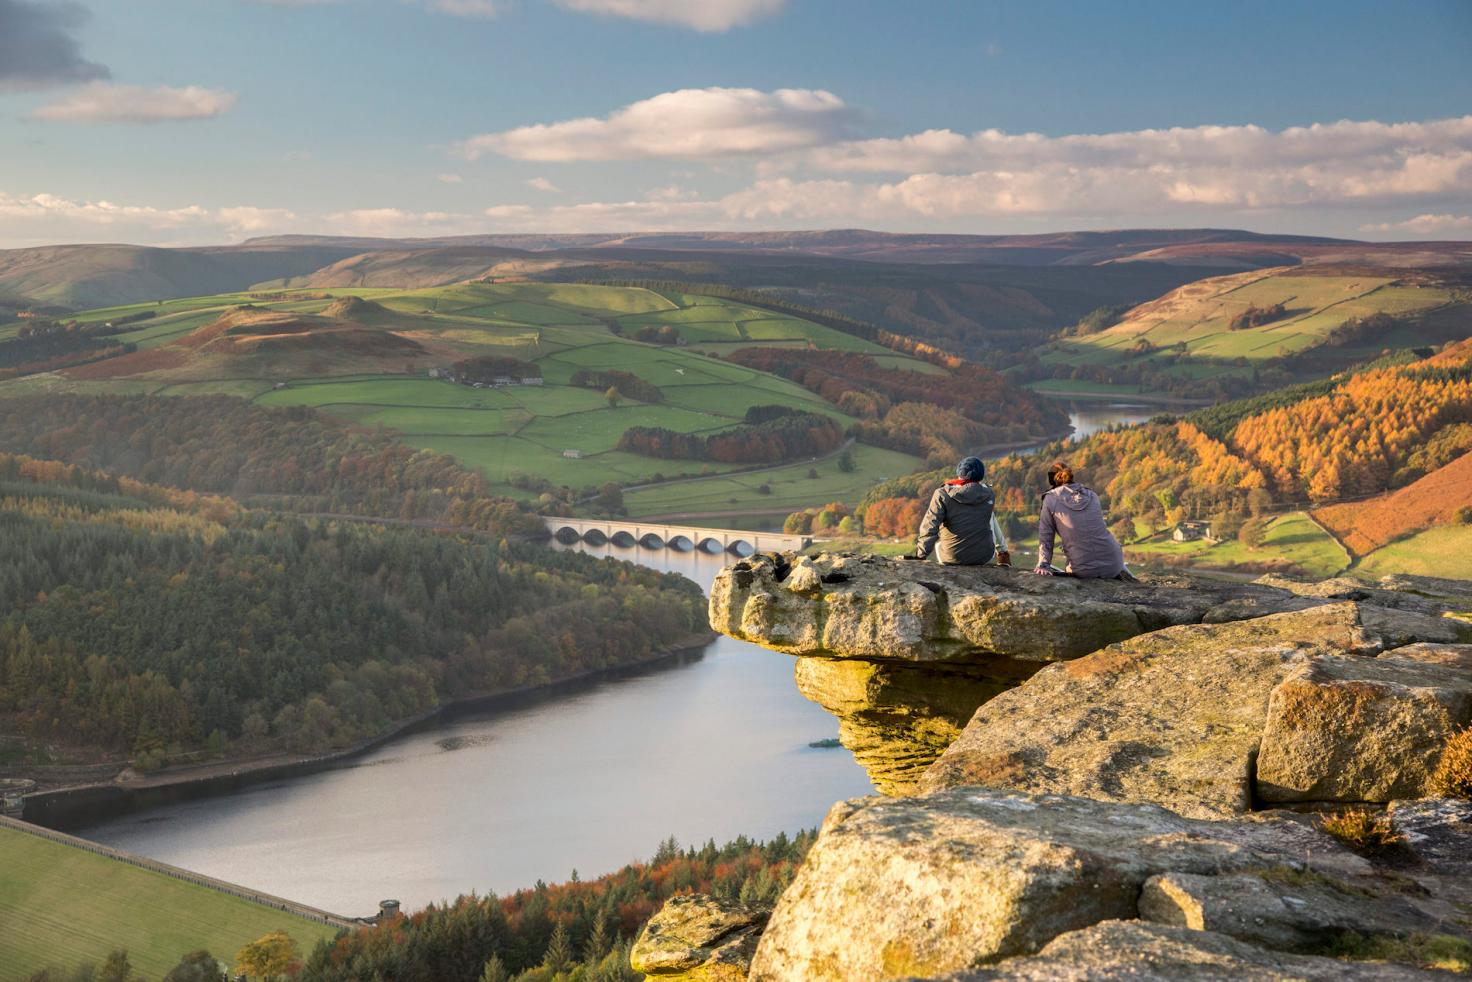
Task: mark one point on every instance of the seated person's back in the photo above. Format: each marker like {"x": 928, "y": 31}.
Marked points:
{"x": 959, "y": 524}
{"x": 1073, "y": 512}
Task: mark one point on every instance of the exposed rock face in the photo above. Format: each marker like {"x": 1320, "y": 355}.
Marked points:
{"x": 1282, "y": 909}
{"x": 982, "y": 617}
{"x": 1360, "y": 729}
{"x": 696, "y": 938}
{"x": 1142, "y": 952}
{"x": 894, "y": 718}
{"x": 926, "y": 885}
{"x": 1174, "y": 717}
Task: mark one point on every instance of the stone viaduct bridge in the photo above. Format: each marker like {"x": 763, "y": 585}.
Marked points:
{"x": 655, "y": 535}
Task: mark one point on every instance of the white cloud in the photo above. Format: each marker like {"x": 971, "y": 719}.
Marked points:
{"x": 38, "y": 218}
{"x": 700, "y": 15}
{"x": 1428, "y": 225}
{"x": 247, "y": 219}
{"x": 688, "y": 123}
{"x": 466, "y": 8}
{"x": 542, "y": 184}
{"x": 449, "y": 178}
{"x": 389, "y": 221}
{"x": 52, "y": 207}
{"x": 102, "y": 102}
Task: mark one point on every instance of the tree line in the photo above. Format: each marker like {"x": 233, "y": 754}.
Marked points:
{"x": 291, "y": 458}
{"x": 930, "y": 415}
{"x": 769, "y": 435}
{"x": 487, "y": 368}
{"x": 571, "y": 932}
{"x": 46, "y": 346}
{"x": 628, "y": 384}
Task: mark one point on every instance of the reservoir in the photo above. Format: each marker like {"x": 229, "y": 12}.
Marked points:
{"x": 711, "y": 748}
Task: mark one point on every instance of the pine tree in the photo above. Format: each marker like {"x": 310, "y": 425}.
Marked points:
{"x": 559, "y": 950}
{"x": 600, "y": 940}
{"x": 494, "y": 971}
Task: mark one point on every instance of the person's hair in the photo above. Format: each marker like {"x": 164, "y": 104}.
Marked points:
{"x": 1059, "y": 474}
{"x": 971, "y": 469}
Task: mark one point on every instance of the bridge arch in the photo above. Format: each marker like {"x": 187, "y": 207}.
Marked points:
{"x": 655, "y": 535}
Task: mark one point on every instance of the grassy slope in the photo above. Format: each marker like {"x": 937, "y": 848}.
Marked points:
{"x": 791, "y": 488}
{"x": 1293, "y": 538}
{"x": 1199, "y": 315}
{"x": 60, "y": 906}
{"x": 1442, "y": 551}
{"x": 522, "y": 430}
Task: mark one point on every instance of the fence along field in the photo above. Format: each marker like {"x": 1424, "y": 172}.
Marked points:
{"x": 553, "y": 431}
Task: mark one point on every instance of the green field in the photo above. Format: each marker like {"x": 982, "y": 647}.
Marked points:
{"x": 1292, "y": 537}
{"x": 790, "y": 487}
{"x": 60, "y": 906}
{"x": 554, "y": 431}
{"x": 1442, "y": 551}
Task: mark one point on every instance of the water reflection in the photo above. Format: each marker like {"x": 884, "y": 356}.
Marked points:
{"x": 714, "y": 748}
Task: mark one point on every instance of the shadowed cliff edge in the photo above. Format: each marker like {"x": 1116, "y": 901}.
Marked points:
{"x": 1089, "y": 779}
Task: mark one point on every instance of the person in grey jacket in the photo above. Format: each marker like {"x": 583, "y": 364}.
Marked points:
{"x": 962, "y": 518}
{"x": 1073, "y": 513}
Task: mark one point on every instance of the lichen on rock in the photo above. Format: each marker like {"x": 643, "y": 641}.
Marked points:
{"x": 697, "y": 938}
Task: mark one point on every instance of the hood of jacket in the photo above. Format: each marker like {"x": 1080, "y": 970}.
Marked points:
{"x": 1074, "y": 497}
{"x": 969, "y": 492}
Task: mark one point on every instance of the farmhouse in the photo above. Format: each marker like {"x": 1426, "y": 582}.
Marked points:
{"x": 532, "y": 380}
{"x": 1191, "y": 531}
{"x": 573, "y": 454}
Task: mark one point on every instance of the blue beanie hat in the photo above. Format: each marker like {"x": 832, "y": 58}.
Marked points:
{"x": 971, "y": 469}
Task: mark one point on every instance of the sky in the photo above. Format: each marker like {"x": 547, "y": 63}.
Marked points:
{"x": 181, "y": 122}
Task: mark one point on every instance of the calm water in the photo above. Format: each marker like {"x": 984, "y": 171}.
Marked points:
{"x": 1090, "y": 418}
{"x": 715, "y": 748}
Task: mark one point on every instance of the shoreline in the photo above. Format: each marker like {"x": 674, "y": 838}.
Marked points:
{"x": 1124, "y": 398}
{"x": 71, "y": 806}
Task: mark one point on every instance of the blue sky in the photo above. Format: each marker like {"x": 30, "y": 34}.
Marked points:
{"x": 193, "y": 121}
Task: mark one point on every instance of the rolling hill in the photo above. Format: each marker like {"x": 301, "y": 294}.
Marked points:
{"x": 82, "y": 276}
{"x": 1304, "y": 321}
{"x": 588, "y": 365}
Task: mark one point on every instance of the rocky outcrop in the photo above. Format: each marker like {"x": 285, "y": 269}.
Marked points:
{"x": 1141, "y": 952}
{"x": 925, "y": 885}
{"x": 1360, "y": 729}
{"x": 1177, "y": 717}
{"x": 695, "y": 938}
{"x": 1100, "y": 815}
{"x": 985, "y": 618}
{"x": 922, "y": 645}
